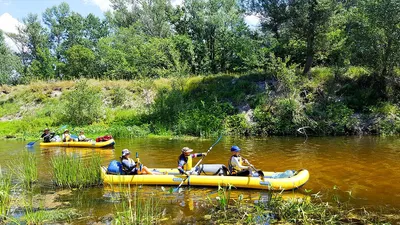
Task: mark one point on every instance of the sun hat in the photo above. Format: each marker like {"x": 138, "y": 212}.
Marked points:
{"x": 186, "y": 149}
{"x": 235, "y": 148}
{"x": 46, "y": 129}
{"x": 66, "y": 130}
{"x": 125, "y": 152}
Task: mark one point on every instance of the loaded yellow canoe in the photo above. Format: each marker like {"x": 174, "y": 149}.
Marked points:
{"x": 271, "y": 181}
{"x": 89, "y": 144}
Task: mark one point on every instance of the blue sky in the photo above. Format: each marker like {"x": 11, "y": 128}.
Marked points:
{"x": 21, "y": 8}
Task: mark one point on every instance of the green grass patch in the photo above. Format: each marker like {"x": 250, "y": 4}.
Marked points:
{"x": 25, "y": 169}
{"x": 135, "y": 208}
{"x": 5, "y": 197}
{"x": 71, "y": 171}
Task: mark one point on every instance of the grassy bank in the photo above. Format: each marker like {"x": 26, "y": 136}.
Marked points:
{"x": 252, "y": 104}
{"x": 295, "y": 210}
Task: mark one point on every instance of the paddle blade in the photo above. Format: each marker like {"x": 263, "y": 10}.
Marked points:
{"x": 30, "y": 144}
{"x": 74, "y": 136}
{"x": 178, "y": 189}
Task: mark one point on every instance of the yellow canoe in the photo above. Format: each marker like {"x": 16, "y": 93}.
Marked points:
{"x": 89, "y": 144}
{"x": 172, "y": 177}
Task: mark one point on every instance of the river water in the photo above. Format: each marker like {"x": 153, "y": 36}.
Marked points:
{"x": 363, "y": 171}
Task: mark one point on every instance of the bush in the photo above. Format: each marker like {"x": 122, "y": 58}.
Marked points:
{"x": 238, "y": 125}
{"x": 81, "y": 106}
{"x": 335, "y": 119}
{"x": 118, "y": 96}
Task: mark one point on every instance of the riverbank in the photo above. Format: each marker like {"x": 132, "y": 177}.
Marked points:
{"x": 251, "y": 104}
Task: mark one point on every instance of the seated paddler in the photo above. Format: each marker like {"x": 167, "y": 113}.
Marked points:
{"x": 130, "y": 167}
{"x": 47, "y": 135}
{"x": 185, "y": 160}
{"x": 235, "y": 163}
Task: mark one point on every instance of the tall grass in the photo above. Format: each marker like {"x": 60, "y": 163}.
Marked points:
{"x": 5, "y": 198}
{"x": 138, "y": 209}
{"x": 291, "y": 211}
{"x": 73, "y": 172}
{"x": 25, "y": 169}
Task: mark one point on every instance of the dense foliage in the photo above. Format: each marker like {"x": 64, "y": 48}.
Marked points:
{"x": 329, "y": 66}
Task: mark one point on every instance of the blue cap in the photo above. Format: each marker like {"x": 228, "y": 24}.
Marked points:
{"x": 235, "y": 148}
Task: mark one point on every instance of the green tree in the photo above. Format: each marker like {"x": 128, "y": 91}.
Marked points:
{"x": 374, "y": 35}
{"x": 10, "y": 64}
{"x": 153, "y": 17}
{"x": 80, "y": 62}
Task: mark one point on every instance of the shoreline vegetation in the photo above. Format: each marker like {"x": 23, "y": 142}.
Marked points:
{"x": 199, "y": 106}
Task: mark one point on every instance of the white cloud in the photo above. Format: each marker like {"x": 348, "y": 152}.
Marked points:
{"x": 9, "y": 25}
{"x": 253, "y": 21}
{"x": 176, "y": 2}
{"x": 104, "y": 5}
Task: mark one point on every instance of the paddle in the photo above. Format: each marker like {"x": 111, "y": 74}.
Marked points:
{"x": 198, "y": 163}
{"x": 260, "y": 172}
{"x": 30, "y": 144}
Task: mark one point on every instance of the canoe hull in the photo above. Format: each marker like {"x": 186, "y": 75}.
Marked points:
{"x": 89, "y": 144}
{"x": 172, "y": 177}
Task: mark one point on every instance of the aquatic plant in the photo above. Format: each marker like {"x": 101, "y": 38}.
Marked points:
{"x": 5, "y": 198}
{"x": 73, "y": 172}
{"x": 43, "y": 216}
{"x": 275, "y": 209}
{"x": 26, "y": 170}
{"x": 138, "y": 209}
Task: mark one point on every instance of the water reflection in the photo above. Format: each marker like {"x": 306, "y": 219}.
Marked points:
{"x": 360, "y": 170}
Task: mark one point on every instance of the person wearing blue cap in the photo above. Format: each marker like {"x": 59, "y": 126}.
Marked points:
{"x": 235, "y": 164}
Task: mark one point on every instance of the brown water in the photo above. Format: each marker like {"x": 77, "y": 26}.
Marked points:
{"x": 361, "y": 170}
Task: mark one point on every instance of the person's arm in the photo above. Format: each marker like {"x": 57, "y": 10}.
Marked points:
{"x": 235, "y": 162}
{"x": 197, "y": 155}
{"x": 181, "y": 163}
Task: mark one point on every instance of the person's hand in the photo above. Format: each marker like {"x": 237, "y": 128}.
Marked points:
{"x": 204, "y": 153}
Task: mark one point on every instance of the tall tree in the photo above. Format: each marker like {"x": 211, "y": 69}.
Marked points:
{"x": 30, "y": 37}
{"x": 9, "y": 64}
{"x": 153, "y": 17}
{"x": 56, "y": 20}
{"x": 374, "y": 35}
{"x": 309, "y": 20}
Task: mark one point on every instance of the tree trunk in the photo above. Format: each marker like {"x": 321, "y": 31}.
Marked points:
{"x": 309, "y": 53}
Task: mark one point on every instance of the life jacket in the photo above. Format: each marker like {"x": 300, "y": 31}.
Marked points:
{"x": 234, "y": 169}
{"x": 67, "y": 137}
{"x": 126, "y": 170}
{"x": 188, "y": 166}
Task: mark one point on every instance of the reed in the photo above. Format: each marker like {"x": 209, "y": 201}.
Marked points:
{"x": 25, "y": 169}
{"x": 138, "y": 209}
{"x": 5, "y": 198}
{"x": 292, "y": 211}
{"x": 71, "y": 171}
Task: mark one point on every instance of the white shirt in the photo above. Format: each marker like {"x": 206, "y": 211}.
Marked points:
{"x": 235, "y": 164}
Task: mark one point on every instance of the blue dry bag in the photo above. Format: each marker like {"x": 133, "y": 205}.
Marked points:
{"x": 115, "y": 167}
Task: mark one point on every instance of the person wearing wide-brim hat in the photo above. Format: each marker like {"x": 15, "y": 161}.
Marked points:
{"x": 130, "y": 167}
{"x": 235, "y": 163}
{"x": 185, "y": 159}
{"x": 66, "y": 137}
{"x": 47, "y": 135}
